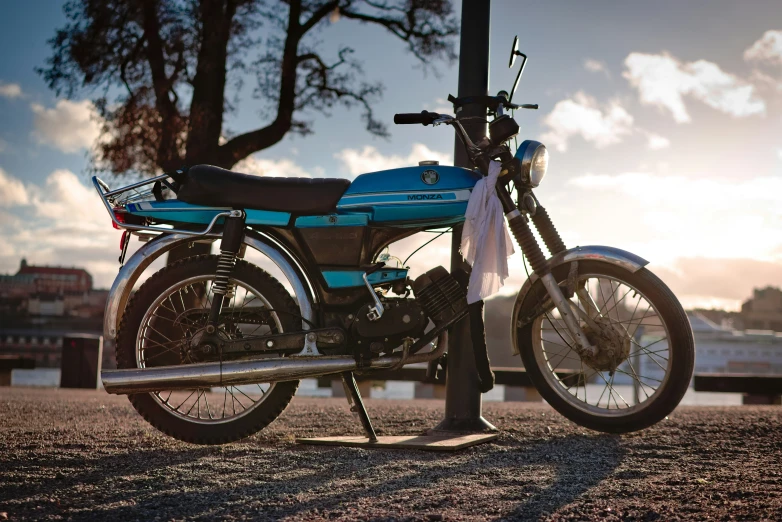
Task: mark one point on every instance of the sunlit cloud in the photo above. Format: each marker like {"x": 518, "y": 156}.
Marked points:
{"x": 664, "y": 81}
{"x": 12, "y": 191}
{"x": 10, "y": 90}
{"x": 678, "y": 216}
{"x": 68, "y": 126}
{"x": 767, "y": 49}
{"x": 272, "y": 168}
{"x": 369, "y": 159}
{"x": 583, "y": 116}
{"x": 62, "y": 223}
{"x": 714, "y": 282}
{"x": 596, "y": 66}
{"x": 672, "y": 219}
{"x": 657, "y": 142}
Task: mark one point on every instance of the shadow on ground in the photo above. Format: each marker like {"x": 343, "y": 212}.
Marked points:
{"x": 509, "y": 479}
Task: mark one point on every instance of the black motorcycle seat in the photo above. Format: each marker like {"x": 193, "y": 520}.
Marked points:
{"x": 216, "y": 187}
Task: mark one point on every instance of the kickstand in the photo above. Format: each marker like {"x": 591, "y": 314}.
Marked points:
{"x": 357, "y": 405}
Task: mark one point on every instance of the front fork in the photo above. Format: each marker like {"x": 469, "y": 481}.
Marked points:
{"x": 529, "y": 246}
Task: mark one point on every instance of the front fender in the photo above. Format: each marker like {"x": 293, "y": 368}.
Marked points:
{"x": 611, "y": 255}
{"x": 144, "y": 256}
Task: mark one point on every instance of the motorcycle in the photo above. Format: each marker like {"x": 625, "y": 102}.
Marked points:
{"x": 211, "y": 348}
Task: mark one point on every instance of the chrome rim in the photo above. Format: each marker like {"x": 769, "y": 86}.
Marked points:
{"x": 168, "y": 327}
{"x": 645, "y": 368}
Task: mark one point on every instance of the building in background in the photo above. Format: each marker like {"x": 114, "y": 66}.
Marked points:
{"x": 763, "y": 311}
{"x": 41, "y": 304}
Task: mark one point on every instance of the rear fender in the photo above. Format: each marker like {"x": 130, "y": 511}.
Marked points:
{"x": 144, "y": 256}
{"x": 611, "y": 255}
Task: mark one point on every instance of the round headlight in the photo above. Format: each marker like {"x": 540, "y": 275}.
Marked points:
{"x": 534, "y": 162}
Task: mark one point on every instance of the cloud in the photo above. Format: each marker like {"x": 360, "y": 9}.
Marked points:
{"x": 69, "y": 126}
{"x": 369, "y": 159}
{"x": 663, "y": 81}
{"x": 767, "y": 49}
{"x": 270, "y": 168}
{"x": 12, "y": 191}
{"x": 596, "y": 66}
{"x": 582, "y": 116}
{"x": 672, "y": 220}
{"x": 61, "y": 223}
{"x": 10, "y": 90}
{"x": 712, "y": 282}
{"x": 657, "y": 142}
{"x": 678, "y": 216}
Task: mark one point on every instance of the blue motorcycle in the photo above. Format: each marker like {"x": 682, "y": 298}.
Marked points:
{"x": 211, "y": 348}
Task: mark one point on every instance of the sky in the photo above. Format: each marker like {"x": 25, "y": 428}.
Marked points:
{"x": 662, "y": 120}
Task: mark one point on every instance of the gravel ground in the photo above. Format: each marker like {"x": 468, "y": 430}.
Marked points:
{"x": 79, "y": 455}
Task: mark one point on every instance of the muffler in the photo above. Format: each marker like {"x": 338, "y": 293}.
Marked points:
{"x": 228, "y": 373}
{"x": 234, "y": 373}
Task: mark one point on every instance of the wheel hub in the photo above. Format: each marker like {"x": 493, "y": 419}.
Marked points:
{"x": 202, "y": 346}
{"x": 613, "y": 345}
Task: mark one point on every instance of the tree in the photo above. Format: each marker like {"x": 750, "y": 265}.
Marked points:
{"x": 164, "y": 73}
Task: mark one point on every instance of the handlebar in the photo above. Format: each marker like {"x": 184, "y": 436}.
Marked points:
{"x": 490, "y": 102}
{"x": 414, "y": 118}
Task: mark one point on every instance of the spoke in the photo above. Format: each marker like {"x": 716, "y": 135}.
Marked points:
{"x": 642, "y": 349}
{"x": 251, "y": 399}
{"x": 184, "y": 401}
{"x": 606, "y": 312}
{"x": 639, "y": 377}
{"x": 208, "y": 411}
{"x": 635, "y": 376}
{"x": 604, "y": 389}
{"x": 657, "y": 363}
{"x": 160, "y": 334}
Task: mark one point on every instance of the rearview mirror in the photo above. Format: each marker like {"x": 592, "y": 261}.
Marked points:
{"x": 513, "y": 52}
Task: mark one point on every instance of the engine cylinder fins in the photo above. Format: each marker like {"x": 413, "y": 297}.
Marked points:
{"x": 528, "y": 243}
{"x": 439, "y": 294}
{"x": 548, "y": 232}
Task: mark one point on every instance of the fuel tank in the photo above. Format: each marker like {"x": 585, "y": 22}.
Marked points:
{"x": 426, "y": 194}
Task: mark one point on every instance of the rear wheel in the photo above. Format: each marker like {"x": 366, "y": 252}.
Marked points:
{"x": 159, "y": 328}
{"x": 645, "y": 347}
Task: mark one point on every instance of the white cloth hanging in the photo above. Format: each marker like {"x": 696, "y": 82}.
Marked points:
{"x": 486, "y": 243}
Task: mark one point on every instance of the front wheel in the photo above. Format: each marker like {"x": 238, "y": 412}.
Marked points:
{"x": 645, "y": 356}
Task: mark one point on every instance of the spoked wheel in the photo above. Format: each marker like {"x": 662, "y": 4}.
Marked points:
{"x": 645, "y": 356}
{"x": 162, "y": 325}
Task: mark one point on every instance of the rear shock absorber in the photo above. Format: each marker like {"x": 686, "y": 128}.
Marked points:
{"x": 233, "y": 236}
{"x": 548, "y": 232}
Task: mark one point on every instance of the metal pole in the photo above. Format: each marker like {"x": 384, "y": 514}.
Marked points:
{"x": 462, "y": 397}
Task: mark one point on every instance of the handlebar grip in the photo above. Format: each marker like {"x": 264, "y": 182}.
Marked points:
{"x": 414, "y": 118}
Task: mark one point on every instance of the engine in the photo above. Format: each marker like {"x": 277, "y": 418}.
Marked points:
{"x": 439, "y": 294}
{"x": 401, "y": 318}
{"x": 438, "y": 297}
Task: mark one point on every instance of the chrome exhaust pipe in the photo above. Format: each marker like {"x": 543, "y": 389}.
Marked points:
{"x": 230, "y": 373}
{"x": 234, "y": 373}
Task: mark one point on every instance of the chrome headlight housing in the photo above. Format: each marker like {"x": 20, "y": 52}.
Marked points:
{"x": 533, "y": 157}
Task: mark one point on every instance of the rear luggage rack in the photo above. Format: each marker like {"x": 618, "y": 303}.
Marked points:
{"x": 143, "y": 190}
